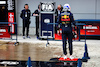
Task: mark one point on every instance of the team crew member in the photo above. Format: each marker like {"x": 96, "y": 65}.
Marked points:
{"x": 25, "y": 15}
{"x": 36, "y": 13}
{"x": 66, "y": 19}
{"x": 57, "y": 12}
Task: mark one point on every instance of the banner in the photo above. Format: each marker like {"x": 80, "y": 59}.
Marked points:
{"x": 11, "y": 15}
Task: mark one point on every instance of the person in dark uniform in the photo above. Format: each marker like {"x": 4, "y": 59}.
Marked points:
{"x": 57, "y": 12}
{"x": 36, "y": 14}
{"x": 25, "y": 15}
{"x": 66, "y": 20}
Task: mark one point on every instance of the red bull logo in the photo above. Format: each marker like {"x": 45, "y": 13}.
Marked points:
{"x": 65, "y": 18}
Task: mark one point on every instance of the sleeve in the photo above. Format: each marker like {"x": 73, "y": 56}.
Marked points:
{"x": 21, "y": 15}
{"x": 56, "y": 11}
{"x": 59, "y": 19}
{"x": 29, "y": 14}
{"x": 72, "y": 19}
{"x": 34, "y": 12}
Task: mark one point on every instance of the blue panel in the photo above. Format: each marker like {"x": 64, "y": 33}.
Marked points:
{"x": 44, "y": 26}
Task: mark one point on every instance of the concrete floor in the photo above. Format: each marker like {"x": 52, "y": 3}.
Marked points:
{"x": 38, "y": 51}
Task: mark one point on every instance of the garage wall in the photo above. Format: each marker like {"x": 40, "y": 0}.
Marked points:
{"x": 82, "y": 9}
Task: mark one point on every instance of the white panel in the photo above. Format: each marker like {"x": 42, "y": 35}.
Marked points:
{"x": 98, "y": 6}
{"x": 19, "y": 20}
{"x": 79, "y": 6}
{"x": 98, "y": 16}
{"x": 2, "y": 2}
{"x": 84, "y": 16}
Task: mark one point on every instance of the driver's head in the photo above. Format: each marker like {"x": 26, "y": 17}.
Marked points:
{"x": 66, "y": 7}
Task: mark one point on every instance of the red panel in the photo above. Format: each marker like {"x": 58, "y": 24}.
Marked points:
{"x": 4, "y": 33}
{"x": 65, "y": 19}
{"x": 90, "y": 30}
{"x": 11, "y": 19}
{"x": 68, "y": 59}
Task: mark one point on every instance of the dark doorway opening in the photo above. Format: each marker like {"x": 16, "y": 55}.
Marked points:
{"x": 3, "y": 13}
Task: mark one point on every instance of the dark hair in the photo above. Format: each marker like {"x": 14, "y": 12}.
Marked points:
{"x": 25, "y": 5}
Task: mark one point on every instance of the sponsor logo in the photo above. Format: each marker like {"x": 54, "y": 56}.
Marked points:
{"x": 47, "y": 7}
{"x": 65, "y": 16}
{"x": 90, "y": 27}
{"x": 2, "y": 30}
{"x": 46, "y": 20}
{"x": 9, "y": 62}
{"x": 11, "y": 17}
{"x": 65, "y": 19}
{"x": 10, "y": 5}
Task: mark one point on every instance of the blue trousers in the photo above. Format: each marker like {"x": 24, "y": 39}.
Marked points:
{"x": 67, "y": 33}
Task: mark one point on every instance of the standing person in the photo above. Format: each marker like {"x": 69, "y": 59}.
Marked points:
{"x": 57, "y": 13}
{"x": 58, "y": 10}
{"x": 66, "y": 19}
{"x": 36, "y": 13}
{"x": 25, "y": 15}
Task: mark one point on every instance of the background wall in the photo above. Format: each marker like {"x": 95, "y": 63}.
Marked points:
{"x": 82, "y": 9}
